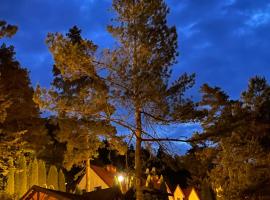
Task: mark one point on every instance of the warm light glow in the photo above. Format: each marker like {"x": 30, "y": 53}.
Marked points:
{"x": 120, "y": 178}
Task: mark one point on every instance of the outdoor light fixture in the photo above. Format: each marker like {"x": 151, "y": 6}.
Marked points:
{"x": 120, "y": 178}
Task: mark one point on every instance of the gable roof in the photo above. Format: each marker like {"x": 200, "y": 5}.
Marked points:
{"x": 104, "y": 174}
{"x": 107, "y": 176}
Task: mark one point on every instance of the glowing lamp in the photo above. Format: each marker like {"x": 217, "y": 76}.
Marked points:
{"x": 120, "y": 178}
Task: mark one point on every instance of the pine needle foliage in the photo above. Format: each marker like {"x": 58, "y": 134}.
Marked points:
{"x": 238, "y": 132}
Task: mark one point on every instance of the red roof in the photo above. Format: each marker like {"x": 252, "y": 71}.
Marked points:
{"x": 104, "y": 174}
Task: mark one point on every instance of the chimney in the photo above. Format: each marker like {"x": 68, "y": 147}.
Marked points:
{"x": 111, "y": 168}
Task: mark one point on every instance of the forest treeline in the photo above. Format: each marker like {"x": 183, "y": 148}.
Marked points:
{"x": 94, "y": 92}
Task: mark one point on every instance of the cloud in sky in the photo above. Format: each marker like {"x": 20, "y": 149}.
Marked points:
{"x": 217, "y": 43}
{"x": 259, "y": 17}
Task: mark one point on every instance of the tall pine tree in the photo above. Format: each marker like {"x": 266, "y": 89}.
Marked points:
{"x": 77, "y": 99}
{"x": 137, "y": 75}
{"x": 139, "y": 71}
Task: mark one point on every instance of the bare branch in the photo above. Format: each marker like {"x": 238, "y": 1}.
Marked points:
{"x": 165, "y": 139}
{"x": 157, "y": 118}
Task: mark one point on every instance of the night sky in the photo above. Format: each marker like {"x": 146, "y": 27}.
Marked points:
{"x": 225, "y": 42}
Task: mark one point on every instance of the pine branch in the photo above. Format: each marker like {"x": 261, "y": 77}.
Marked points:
{"x": 157, "y": 118}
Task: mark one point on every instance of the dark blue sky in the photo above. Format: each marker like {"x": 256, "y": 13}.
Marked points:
{"x": 225, "y": 42}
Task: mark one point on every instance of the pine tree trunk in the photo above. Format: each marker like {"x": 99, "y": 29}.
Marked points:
{"x": 138, "y": 165}
{"x": 87, "y": 175}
